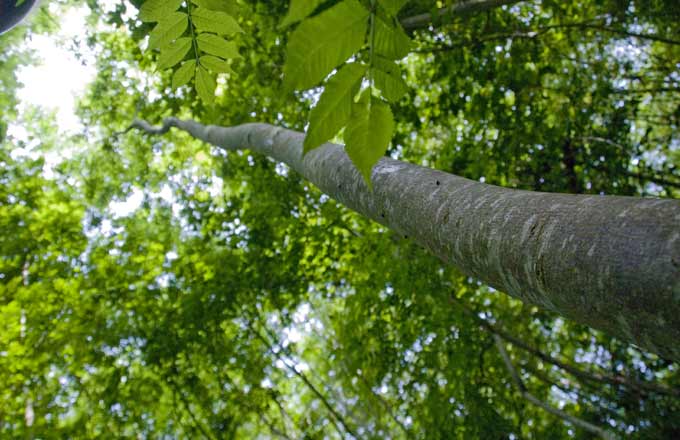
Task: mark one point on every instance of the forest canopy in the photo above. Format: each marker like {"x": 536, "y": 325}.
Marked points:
{"x": 200, "y": 281}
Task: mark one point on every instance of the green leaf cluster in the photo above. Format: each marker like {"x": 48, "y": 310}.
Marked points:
{"x": 201, "y": 25}
{"x": 323, "y": 42}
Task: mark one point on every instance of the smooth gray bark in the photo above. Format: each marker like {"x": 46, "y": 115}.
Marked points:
{"x": 609, "y": 262}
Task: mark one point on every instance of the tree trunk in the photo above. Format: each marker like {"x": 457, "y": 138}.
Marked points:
{"x": 609, "y": 262}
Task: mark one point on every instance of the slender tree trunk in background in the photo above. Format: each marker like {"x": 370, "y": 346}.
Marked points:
{"x": 459, "y": 8}
{"x": 609, "y": 262}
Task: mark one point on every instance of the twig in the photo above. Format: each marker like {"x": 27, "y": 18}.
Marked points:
{"x": 186, "y": 405}
{"x": 303, "y": 377}
{"x": 642, "y": 387}
{"x": 549, "y": 408}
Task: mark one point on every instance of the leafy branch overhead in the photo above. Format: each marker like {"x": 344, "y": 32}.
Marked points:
{"x": 372, "y": 37}
{"x": 367, "y": 33}
{"x": 191, "y": 37}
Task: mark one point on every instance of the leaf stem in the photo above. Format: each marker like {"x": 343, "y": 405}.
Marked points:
{"x": 193, "y": 36}
{"x": 371, "y": 45}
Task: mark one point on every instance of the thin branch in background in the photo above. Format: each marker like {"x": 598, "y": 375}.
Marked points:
{"x": 549, "y": 408}
{"x": 664, "y": 181}
{"x": 654, "y": 179}
{"x": 534, "y": 33}
{"x": 187, "y": 407}
{"x": 640, "y": 387}
{"x": 273, "y": 429}
{"x": 335, "y": 415}
{"x": 285, "y": 415}
{"x": 543, "y": 377}
{"x": 459, "y": 8}
{"x": 625, "y": 33}
{"x": 387, "y": 406}
{"x": 334, "y": 394}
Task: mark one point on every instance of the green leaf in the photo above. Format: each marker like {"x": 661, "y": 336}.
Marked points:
{"x": 156, "y": 10}
{"x": 228, "y": 6}
{"x": 215, "y": 21}
{"x": 214, "y": 45}
{"x": 392, "y": 6}
{"x": 174, "y": 52}
{"x": 168, "y": 29}
{"x": 184, "y": 74}
{"x": 298, "y": 10}
{"x": 335, "y": 105}
{"x": 205, "y": 85}
{"x": 321, "y": 43}
{"x": 391, "y": 41}
{"x": 215, "y": 64}
{"x": 368, "y": 133}
{"x": 388, "y": 79}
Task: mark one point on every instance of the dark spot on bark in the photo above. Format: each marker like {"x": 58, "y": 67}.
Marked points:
{"x": 405, "y": 237}
{"x": 437, "y": 183}
{"x": 532, "y": 229}
{"x": 445, "y": 220}
{"x": 540, "y": 271}
{"x": 339, "y": 186}
{"x": 536, "y": 229}
{"x": 382, "y": 214}
{"x": 675, "y": 262}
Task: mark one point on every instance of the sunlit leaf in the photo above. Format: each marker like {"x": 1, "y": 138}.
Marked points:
{"x": 391, "y": 41}
{"x": 168, "y": 29}
{"x": 217, "y": 46}
{"x": 184, "y": 74}
{"x": 298, "y": 10}
{"x": 205, "y": 85}
{"x": 335, "y": 105}
{"x": 368, "y": 133}
{"x": 174, "y": 52}
{"x": 321, "y": 43}
{"x": 215, "y": 64}
{"x": 215, "y": 21}
{"x": 388, "y": 79}
{"x": 228, "y": 6}
{"x": 156, "y": 10}
{"x": 392, "y": 6}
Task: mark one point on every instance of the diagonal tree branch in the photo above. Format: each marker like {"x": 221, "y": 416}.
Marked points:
{"x": 599, "y": 260}
{"x": 549, "y": 408}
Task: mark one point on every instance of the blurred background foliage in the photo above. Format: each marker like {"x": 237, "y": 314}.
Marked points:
{"x": 234, "y": 300}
